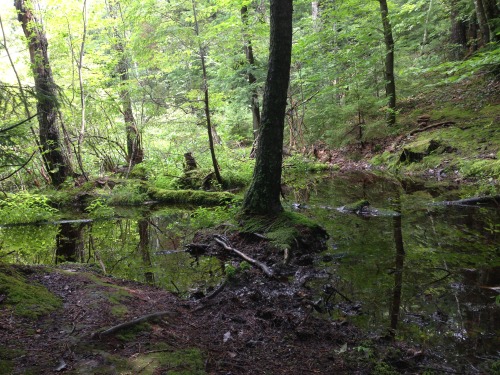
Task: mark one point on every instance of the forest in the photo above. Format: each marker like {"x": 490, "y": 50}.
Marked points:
{"x": 249, "y": 187}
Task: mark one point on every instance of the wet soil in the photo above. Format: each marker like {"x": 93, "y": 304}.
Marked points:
{"x": 250, "y": 324}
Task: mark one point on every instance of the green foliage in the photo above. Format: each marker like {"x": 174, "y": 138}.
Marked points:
{"x": 204, "y": 217}
{"x": 25, "y": 207}
{"x": 131, "y": 192}
{"x": 26, "y": 298}
{"x": 480, "y": 168}
{"x": 99, "y": 209}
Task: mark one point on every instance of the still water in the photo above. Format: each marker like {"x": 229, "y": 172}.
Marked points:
{"x": 411, "y": 268}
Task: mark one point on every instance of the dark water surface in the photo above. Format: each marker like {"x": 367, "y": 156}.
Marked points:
{"x": 410, "y": 268}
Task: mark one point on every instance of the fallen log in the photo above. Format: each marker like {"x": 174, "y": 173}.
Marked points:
{"x": 221, "y": 241}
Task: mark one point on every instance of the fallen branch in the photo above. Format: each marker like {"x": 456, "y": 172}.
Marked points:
{"x": 131, "y": 323}
{"x": 489, "y": 200}
{"x": 445, "y": 123}
{"x": 221, "y": 241}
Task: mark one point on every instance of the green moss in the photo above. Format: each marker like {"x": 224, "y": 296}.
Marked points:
{"x": 26, "y": 298}
{"x": 197, "y": 197}
{"x": 159, "y": 359}
{"x": 130, "y": 334}
{"x": 7, "y": 355}
{"x": 356, "y": 206}
{"x": 180, "y": 362}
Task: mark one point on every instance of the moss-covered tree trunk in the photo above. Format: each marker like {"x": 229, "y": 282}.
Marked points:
{"x": 390, "y": 83}
{"x": 54, "y": 156}
{"x": 263, "y": 196}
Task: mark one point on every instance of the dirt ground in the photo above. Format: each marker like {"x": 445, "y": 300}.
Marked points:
{"x": 252, "y": 324}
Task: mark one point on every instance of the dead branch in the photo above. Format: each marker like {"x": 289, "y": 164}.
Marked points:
{"x": 133, "y": 322}
{"x": 445, "y": 123}
{"x": 221, "y": 241}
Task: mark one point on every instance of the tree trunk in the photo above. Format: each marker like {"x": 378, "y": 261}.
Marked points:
{"x": 492, "y": 13}
{"x": 263, "y": 196}
{"x": 135, "y": 152}
{"x": 482, "y": 21}
{"x": 250, "y": 76}
{"x": 390, "y": 84}
{"x": 55, "y": 159}
{"x": 458, "y": 37}
{"x": 206, "y": 99}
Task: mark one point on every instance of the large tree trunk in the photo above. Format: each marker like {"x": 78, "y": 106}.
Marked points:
{"x": 263, "y": 196}
{"x": 482, "y": 21}
{"x": 492, "y": 13}
{"x": 458, "y": 35}
{"x": 55, "y": 159}
{"x": 390, "y": 84}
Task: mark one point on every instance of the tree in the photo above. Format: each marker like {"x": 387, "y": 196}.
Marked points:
{"x": 263, "y": 196}
{"x": 390, "y": 84}
{"x": 206, "y": 97}
{"x": 135, "y": 152}
{"x": 55, "y": 159}
{"x": 250, "y": 75}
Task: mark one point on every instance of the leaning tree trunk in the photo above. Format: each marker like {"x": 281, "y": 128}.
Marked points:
{"x": 390, "y": 84}
{"x": 263, "y": 196}
{"x": 55, "y": 159}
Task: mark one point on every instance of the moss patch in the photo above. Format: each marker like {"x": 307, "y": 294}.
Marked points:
{"x": 24, "y": 297}
{"x": 160, "y": 359}
{"x": 197, "y": 197}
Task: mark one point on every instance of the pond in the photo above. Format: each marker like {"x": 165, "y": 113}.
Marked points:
{"x": 409, "y": 268}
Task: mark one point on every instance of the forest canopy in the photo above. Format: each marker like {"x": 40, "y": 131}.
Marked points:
{"x": 141, "y": 82}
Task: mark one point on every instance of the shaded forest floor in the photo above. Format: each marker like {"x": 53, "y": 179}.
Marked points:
{"x": 252, "y": 324}
{"x": 449, "y": 133}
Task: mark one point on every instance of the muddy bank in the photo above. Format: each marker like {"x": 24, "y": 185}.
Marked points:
{"x": 251, "y": 323}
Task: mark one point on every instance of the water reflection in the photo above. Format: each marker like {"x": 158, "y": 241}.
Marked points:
{"x": 398, "y": 273}
{"x": 430, "y": 275}
{"x": 425, "y": 288}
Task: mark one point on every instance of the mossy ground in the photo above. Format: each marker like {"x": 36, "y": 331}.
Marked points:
{"x": 24, "y": 298}
{"x": 468, "y": 147}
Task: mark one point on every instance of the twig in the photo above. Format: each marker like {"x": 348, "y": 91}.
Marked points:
{"x": 261, "y": 265}
{"x": 133, "y": 322}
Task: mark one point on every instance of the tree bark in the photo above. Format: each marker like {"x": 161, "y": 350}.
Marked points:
{"x": 492, "y": 13}
{"x": 482, "y": 21}
{"x": 390, "y": 84}
{"x": 206, "y": 99}
{"x": 458, "y": 35}
{"x": 254, "y": 104}
{"x": 55, "y": 159}
{"x": 263, "y": 196}
{"x": 135, "y": 152}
